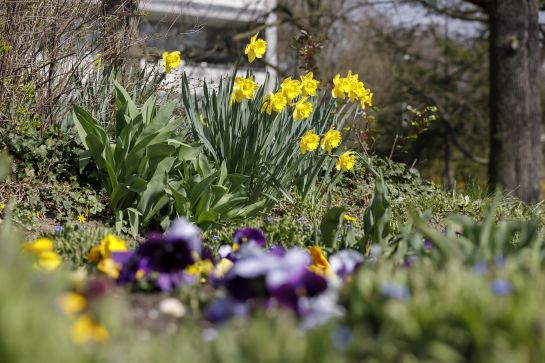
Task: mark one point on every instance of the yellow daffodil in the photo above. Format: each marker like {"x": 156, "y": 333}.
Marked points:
{"x": 302, "y": 109}
{"x": 309, "y": 142}
{"x": 81, "y": 218}
{"x": 331, "y": 140}
{"x": 243, "y": 88}
{"x": 341, "y": 86}
{"x": 274, "y": 102}
{"x": 352, "y": 87}
{"x": 309, "y": 84}
{"x": 291, "y": 88}
{"x": 256, "y": 48}
{"x": 86, "y": 330}
{"x": 171, "y": 60}
{"x": 109, "y": 267}
{"x": 72, "y": 303}
{"x": 319, "y": 264}
{"x": 48, "y": 260}
{"x": 346, "y": 161}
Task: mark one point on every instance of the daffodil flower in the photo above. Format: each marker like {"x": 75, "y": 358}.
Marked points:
{"x": 256, "y": 48}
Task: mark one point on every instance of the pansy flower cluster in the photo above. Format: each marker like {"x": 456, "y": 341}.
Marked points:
{"x": 250, "y": 273}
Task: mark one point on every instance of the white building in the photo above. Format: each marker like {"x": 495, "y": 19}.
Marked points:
{"x": 211, "y": 34}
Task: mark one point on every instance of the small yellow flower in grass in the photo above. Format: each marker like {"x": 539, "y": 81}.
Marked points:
{"x": 243, "y": 88}
{"x": 48, "y": 261}
{"x": 319, "y": 264}
{"x": 309, "y": 84}
{"x": 38, "y": 215}
{"x": 72, "y": 303}
{"x": 2, "y": 205}
{"x": 256, "y": 48}
{"x": 274, "y": 102}
{"x": 309, "y": 142}
{"x": 302, "y": 109}
{"x": 347, "y": 217}
{"x": 98, "y": 60}
{"x": 291, "y": 88}
{"x": 171, "y": 60}
{"x": 346, "y": 161}
{"x": 331, "y": 140}
{"x": 86, "y": 330}
{"x": 81, "y": 218}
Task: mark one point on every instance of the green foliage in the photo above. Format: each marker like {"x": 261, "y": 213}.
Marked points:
{"x": 44, "y": 177}
{"x": 261, "y": 146}
{"x": 152, "y": 174}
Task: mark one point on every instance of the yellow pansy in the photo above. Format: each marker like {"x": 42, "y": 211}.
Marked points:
{"x": 309, "y": 142}
{"x": 256, "y": 48}
{"x": 222, "y": 267}
{"x": 243, "y": 88}
{"x": 171, "y": 60}
{"x": 291, "y": 88}
{"x": 109, "y": 267}
{"x": 331, "y": 140}
{"x": 201, "y": 267}
{"x": 309, "y": 84}
{"x": 319, "y": 264}
{"x": 274, "y": 102}
{"x": 346, "y": 161}
{"x": 72, "y": 303}
{"x": 109, "y": 244}
{"x": 86, "y": 330}
{"x": 302, "y": 109}
{"x": 38, "y": 246}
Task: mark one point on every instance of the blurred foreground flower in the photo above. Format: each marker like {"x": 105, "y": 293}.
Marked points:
{"x": 43, "y": 249}
{"x": 86, "y": 330}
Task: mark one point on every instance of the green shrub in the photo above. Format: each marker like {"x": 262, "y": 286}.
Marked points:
{"x": 152, "y": 174}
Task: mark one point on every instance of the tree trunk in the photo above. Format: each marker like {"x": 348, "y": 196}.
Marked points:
{"x": 516, "y": 157}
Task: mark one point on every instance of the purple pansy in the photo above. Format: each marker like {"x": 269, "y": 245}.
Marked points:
{"x": 344, "y": 263}
{"x": 249, "y": 236}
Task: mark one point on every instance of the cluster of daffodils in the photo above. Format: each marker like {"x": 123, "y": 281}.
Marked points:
{"x": 351, "y": 87}
{"x": 330, "y": 140}
{"x": 43, "y": 249}
{"x": 295, "y": 93}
